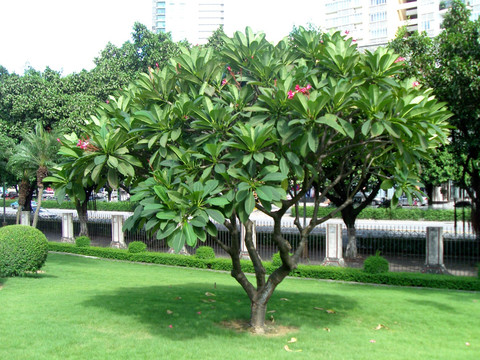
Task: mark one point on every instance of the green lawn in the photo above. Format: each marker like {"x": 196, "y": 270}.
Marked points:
{"x": 84, "y": 308}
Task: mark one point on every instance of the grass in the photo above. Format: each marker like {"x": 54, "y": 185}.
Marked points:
{"x": 83, "y": 308}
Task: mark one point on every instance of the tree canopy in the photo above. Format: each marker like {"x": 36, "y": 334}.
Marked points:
{"x": 257, "y": 125}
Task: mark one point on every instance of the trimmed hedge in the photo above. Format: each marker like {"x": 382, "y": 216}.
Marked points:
{"x": 137, "y": 247}
{"x": 22, "y": 249}
{"x": 303, "y": 271}
{"x": 375, "y": 264}
{"x": 82, "y": 241}
{"x": 98, "y": 205}
{"x": 414, "y": 214}
{"x": 205, "y": 252}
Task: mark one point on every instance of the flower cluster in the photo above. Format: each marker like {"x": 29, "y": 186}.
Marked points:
{"x": 399, "y": 59}
{"x": 415, "y": 84}
{"x": 84, "y": 144}
{"x": 304, "y": 90}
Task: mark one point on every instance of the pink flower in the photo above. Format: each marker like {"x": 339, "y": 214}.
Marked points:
{"x": 309, "y": 87}
{"x": 224, "y": 82}
{"x": 415, "y": 84}
{"x": 156, "y": 64}
{"x": 107, "y": 101}
{"x": 170, "y": 326}
{"x": 199, "y": 312}
{"x": 399, "y": 59}
{"x": 291, "y": 94}
{"x": 347, "y": 32}
{"x": 58, "y": 140}
{"x": 297, "y": 87}
{"x": 229, "y": 68}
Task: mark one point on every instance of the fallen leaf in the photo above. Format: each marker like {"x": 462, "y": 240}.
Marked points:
{"x": 372, "y": 341}
{"x": 292, "y": 340}
{"x": 290, "y": 350}
{"x": 284, "y": 299}
{"x": 467, "y": 343}
{"x": 209, "y": 300}
{"x": 178, "y": 298}
{"x": 318, "y": 308}
{"x": 209, "y": 294}
{"x": 271, "y": 311}
{"x": 475, "y": 300}
{"x": 169, "y": 312}
{"x": 381, "y": 326}
{"x": 326, "y": 329}
{"x": 199, "y": 312}
{"x": 330, "y": 311}
{"x": 272, "y": 319}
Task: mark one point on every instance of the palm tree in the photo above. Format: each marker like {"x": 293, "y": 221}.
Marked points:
{"x": 34, "y": 155}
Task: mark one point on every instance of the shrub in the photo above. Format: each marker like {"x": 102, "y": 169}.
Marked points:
{"x": 22, "y": 249}
{"x": 375, "y": 264}
{"x": 277, "y": 260}
{"x": 205, "y": 252}
{"x": 136, "y": 247}
{"x": 82, "y": 241}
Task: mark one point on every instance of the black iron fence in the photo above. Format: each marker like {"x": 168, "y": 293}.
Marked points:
{"x": 403, "y": 246}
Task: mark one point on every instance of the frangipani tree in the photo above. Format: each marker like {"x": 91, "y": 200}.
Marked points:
{"x": 259, "y": 126}
{"x": 100, "y": 156}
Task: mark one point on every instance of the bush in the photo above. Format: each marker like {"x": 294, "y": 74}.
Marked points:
{"x": 277, "y": 260}
{"x": 375, "y": 264}
{"x": 82, "y": 241}
{"x": 22, "y": 249}
{"x": 205, "y": 252}
{"x": 136, "y": 247}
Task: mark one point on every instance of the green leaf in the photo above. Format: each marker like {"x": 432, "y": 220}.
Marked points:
{"x": 166, "y": 215}
{"x": 211, "y": 229}
{"x": 249, "y": 203}
{"x": 189, "y": 234}
{"x": 273, "y": 177}
{"x": 100, "y": 159}
{"x": 219, "y": 201}
{"x": 216, "y": 215}
{"x": 178, "y": 241}
{"x": 112, "y": 178}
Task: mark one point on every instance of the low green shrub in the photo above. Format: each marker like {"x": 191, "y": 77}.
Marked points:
{"x": 303, "y": 271}
{"x": 22, "y": 249}
{"x": 205, "y": 252}
{"x": 82, "y": 241}
{"x": 277, "y": 260}
{"x": 136, "y": 247}
{"x": 375, "y": 264}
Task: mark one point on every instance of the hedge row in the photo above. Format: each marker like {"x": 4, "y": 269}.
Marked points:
{"x": 98, "y": 205}
{"x": 396, "y": 214}
{"x": 303, "y": 271}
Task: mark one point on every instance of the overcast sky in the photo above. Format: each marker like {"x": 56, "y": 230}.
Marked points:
{"x": 67, "y": 35}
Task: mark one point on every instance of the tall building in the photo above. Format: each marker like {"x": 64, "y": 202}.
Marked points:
{"x": 374, "y": 22}
{"x": 194, "y": 20}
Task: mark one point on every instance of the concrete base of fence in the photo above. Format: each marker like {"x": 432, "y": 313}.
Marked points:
{"x": 334, "y": 253}
{"x": 25, "y": 218}
{"x": 184, "y": 251}
{"x": 435, "y": 269}
{"x": 67, "y": 228}
{"x": 118, "y": 240}
{"x": 244, "y": 255}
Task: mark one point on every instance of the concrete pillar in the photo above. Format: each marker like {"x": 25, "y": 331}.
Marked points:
{"x": 243, "y": 246}
{"x": 434, "y": 252}
{"x": 25, "y": 218}
{"x": 333, "y": 243}
{"x": 118, "y": 240}
{"x": 67, "y": 228}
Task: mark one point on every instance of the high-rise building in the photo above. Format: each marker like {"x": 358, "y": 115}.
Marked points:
{"x": 374, "y": 22}
{"x": 193, "y": 20}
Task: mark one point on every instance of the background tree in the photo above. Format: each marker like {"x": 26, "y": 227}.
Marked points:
{"x": 450, "y": 64}
{"x": 35, "y": 155}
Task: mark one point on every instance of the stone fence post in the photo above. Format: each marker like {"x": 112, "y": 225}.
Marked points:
{"x": 67, "y": 228}
{"x": 333, "y": 243}
{"x": 25, "y": 218}
{"x": 434, "y": 252}
{"x": 118, "y": 240}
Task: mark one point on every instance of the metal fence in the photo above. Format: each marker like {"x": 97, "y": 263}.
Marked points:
{"x": 403, "y": 246}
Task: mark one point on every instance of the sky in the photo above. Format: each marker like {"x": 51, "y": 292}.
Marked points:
{"x": 67, "y": 35}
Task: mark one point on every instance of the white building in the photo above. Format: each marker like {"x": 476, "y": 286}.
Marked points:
{"x": 375, "y": 22}
{"x": 194, "y": 20}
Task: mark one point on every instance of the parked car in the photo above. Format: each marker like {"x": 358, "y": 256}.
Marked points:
{"x": 14, "y": 205}
{"x": 45, "y": 214}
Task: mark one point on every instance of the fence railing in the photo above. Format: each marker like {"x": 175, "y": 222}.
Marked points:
{"x": 403, "y": 246}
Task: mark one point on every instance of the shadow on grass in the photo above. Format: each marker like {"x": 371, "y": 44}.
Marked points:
{"x": 190, "y": 310}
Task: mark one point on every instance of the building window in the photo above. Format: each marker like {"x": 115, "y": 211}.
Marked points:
{"x": 377, "y": 2}
{"x": 161, "y": 11}
{"x": 160, "y": 24}
{"x": 378, "y": 16}
{"x": 160, "y": 3}
{"x": 427, "y": 22}
{"x": 160, "y": 17}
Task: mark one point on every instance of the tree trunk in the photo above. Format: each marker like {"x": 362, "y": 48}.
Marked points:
{"x": 39, "y": 203}
{"x": 351, "y": 251}
{"x": 349, "y": 217}
{"x": 257, "y": 317}
{"x": 82, "y": 216}
{"x": 23, "y": 190}
{"x": 429, "y": 191}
